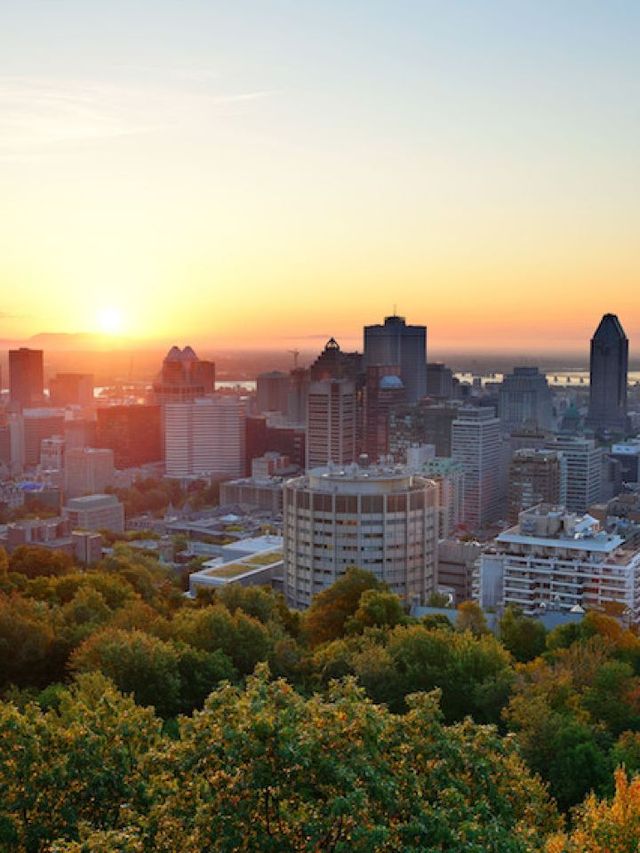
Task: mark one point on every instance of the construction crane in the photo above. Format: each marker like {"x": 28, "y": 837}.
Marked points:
{"x": 295, "y": 353}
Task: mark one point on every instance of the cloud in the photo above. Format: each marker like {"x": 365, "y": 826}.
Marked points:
{"x": 36, "y": 113}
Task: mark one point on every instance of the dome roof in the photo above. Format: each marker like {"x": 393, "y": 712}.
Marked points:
{"x": 391, "y": 382}
{"x": 332, "y": 344}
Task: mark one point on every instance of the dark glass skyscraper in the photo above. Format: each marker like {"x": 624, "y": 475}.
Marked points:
{"x": 395, "y": 343}
{"x": 608, "y": 369}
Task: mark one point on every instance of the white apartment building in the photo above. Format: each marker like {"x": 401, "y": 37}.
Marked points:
{"x": 382, "y": 519}
{"x": 560, "y": 560}
{"x": 205, "y": 437}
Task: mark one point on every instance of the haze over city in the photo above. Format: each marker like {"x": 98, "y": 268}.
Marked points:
{"x": 264, "y": 175}
{"x": 319, "y": 426}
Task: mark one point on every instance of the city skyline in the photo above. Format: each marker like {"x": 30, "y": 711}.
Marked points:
{"x": 246, "y": 175}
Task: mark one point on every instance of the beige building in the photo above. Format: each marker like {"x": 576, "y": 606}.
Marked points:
{"x": 383, "y": 520}
{"x": 88, "y": 471}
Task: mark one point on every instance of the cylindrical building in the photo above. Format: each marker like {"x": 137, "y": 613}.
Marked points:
{"x": 383, "y": 520}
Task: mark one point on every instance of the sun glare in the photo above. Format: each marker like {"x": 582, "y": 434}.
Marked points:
{"x": 110, "y": 321}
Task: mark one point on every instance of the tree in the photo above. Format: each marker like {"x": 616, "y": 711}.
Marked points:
{"x": 603, "y": 826}
{"x": 377, "y": 608}
{"x": 338, "y": 773}
{"x": 33, "y": 561}
{"x": 137, "y": 663}
{"x": 79, "y": 764}
{"x": 471, "y": 618}
{"x": 243, "y": 639}
{"x": 325, "y": 620}
{"x": 27, "y": 642}
{"x": 524, "y": 638}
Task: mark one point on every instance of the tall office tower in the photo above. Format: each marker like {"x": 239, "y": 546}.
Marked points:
{"x": 184, "y": 377}
{"x": 52, "y": 454}
{"x": 439, "y": 381}
{"x": 290, "y": 441}
{"x": 71, "y": 389}
{"x": 450, "y": 478}
{"x": 536, "y": 476}
{"x": 584, "y": 470}
{"x": 379, "y": 519}
{"x": 272, "y": 392}
{"x": 333, "y": 363}
{"x": 88, "y": 471}
{"x": 525, "y": 398}
{"x": 396, "y": 343}
{"x": 560, "y": 560}
{"x": 80, "y": 432}
{"x": 423, "y": 423}
{"x": 331, "y": 423}
{"x": 298, "y": 392}
{"x": 255, "y": 439}
{"x": 12, "y": 443}
{"x": 608, "y": 376}
{"x": 132, "y": 432}
{"x": 26, "y": 377}
{"x": 384, "y": 392}
{"x": 205, "y": 437}
{"x": 39, "y": 424}
{"x": 475, "y": 443}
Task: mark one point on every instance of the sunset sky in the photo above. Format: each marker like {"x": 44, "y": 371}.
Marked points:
{"x": 251, "y": 173}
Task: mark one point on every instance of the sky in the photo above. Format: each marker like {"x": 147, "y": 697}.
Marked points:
{"x": 272, "y": 173}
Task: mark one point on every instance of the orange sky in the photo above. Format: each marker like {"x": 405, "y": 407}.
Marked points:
{"x": 264, "y": 176}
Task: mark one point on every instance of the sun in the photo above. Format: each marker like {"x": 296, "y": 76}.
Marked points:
{"x": 110, "y": 321}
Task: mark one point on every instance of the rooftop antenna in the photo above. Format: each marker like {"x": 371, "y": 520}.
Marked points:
{"x": 295, "y": 353}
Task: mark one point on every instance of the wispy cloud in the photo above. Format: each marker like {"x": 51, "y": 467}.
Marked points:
{"x": 37, "y": 112}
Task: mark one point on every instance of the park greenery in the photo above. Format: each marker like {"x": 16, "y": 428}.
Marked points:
{"x": 135, "y": 719}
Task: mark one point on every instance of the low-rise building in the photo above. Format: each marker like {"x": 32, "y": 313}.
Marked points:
{"x": 95, "y": 512}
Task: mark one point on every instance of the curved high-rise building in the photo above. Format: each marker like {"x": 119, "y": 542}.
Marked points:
{"x": 608, "y": 376}
{"x": 383, "y": 520}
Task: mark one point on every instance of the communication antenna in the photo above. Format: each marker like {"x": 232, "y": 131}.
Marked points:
{"x": 295, "y": 353}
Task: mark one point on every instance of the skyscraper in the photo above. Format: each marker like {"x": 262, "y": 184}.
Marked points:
{"x": 536, "y": 476}
{"x": 584, "y": 470}
{"x": 475, "y": 442}
{"x": 525, "y": 398}
{"x": 396, "y": 343}
{"x": 26, "y": 377}
{"x": 608, "y": 376}
{"x": 205, "y": 437}
{"x": 184, "y": 377}
{"x": 331, "y": 423}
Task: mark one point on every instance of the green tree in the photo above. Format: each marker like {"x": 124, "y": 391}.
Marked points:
{"x": 326, "y": 619}
{"x": 60, "y": 769}
{"x": 377, "y": 608}
{"x": 525, "y": 638}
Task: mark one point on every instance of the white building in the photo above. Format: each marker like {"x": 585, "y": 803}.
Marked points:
{"x": 559, "y": 560}
{"x": 383, "y": 520}
{"x": 584, "y": 470}
{"x": 205, "y": 437}
{"x": 95, "y": 512}
{"x": 476, "y": 445}
{"x": 331, "y": 423}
